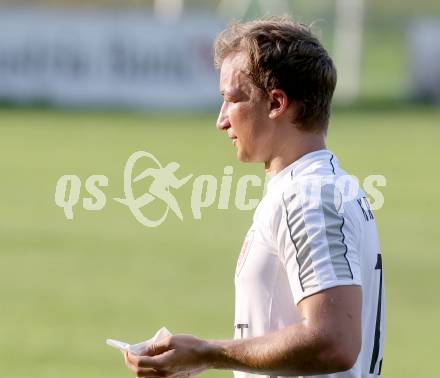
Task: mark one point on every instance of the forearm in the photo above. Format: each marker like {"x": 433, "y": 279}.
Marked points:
{"x": 295, "y": 350}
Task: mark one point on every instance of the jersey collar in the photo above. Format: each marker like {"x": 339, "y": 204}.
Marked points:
{"x": 298, "y": 166}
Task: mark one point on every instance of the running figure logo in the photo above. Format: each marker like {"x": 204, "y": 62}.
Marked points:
{"x": 164, "y": 179}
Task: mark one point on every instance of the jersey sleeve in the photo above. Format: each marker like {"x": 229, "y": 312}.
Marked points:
{"x": 317, "y": 242}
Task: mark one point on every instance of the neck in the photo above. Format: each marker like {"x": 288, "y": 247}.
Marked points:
{"x": 292, "y": 147}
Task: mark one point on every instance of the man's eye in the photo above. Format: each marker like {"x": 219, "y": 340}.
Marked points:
{"x": 230, "y": 99}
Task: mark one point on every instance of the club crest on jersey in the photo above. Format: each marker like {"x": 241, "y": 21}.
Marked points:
{"x": 244, "y": 251}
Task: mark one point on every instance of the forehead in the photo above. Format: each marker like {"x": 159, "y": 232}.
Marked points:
{"x": 232, "y": 74}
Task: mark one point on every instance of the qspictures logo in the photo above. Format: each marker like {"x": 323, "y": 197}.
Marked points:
{"x": 165, "y": 180}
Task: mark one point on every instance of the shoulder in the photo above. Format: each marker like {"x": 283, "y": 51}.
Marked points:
{"x": 318, "y": 199}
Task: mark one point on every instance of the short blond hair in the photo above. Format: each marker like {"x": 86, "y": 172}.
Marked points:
{"x": 284, "y": 54}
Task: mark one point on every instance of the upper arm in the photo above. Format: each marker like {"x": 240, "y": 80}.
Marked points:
{"x": 334, "y": 316}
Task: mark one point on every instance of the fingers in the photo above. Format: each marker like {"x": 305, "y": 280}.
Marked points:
{"x": 158, "y": 348}
{"x": 135, "y": 363}
{"x": 128, "y": 362}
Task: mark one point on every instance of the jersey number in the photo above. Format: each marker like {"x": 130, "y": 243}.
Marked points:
{"x": 376, "y": 346}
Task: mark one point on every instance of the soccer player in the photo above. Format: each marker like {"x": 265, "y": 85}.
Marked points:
{"x": 309, "y": 286}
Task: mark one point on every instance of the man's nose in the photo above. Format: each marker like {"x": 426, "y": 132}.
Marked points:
{"x": 223, "y": 119}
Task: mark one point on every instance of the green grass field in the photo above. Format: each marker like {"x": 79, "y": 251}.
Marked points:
{"x": 66, "y": 286}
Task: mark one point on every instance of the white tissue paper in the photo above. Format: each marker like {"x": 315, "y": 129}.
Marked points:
{"x": 137, "y": 348}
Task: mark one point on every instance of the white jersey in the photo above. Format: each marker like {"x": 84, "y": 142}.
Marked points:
{"x": 306, "y": 238}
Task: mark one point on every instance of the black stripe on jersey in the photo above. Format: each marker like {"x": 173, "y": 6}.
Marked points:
{"x": 294, "y": 244}
{"x": 375, "y": 354}
{"x": 345, "y": 245}
{"x": 342, "y": 225}
{"x": 331, "y": 163}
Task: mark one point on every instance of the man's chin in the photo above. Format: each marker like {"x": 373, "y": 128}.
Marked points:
{"x": 245, "y": 158}
{"x": 242, "y": 157}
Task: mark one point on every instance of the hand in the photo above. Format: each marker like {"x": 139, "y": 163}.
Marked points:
{"x": 179, "y": 356}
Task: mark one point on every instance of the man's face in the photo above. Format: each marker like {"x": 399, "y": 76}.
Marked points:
{"x": 244, "y": 113}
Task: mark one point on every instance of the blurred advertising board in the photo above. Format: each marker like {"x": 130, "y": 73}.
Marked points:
{"x": 108, "y": 58}
{"x": 424, "y": 40}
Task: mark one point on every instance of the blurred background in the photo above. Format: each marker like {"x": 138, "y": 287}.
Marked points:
{"x": 84, "y": 84}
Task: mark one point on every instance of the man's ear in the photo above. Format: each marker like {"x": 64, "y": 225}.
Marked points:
{"x": 279, "y": 102}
